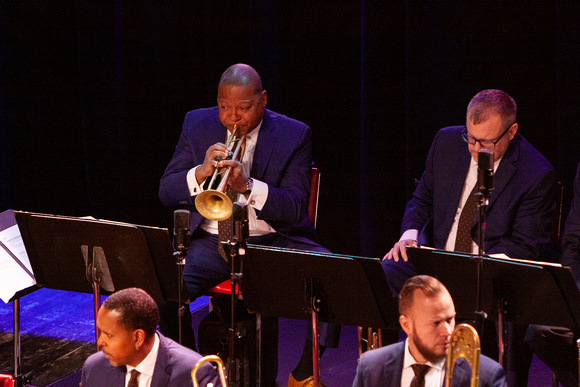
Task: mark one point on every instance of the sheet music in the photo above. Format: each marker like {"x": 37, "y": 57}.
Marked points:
{"x": 15, "y": 269}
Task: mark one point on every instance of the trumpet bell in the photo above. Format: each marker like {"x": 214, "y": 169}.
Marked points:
{"x": 214, "y": 205}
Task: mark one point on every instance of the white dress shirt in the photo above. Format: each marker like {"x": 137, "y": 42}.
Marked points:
{"x": 434, "y": 377}
{"x": 146, "y": 367}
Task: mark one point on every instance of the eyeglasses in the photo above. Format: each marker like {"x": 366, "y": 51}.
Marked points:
{"x": 486, "y": 144}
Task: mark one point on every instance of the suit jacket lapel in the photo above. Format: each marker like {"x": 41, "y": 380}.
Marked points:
{"x": 162, "y": 365}
{"x": 455, "y": 183}
{"x": 395, "y": 362}
{"x": 264, "y": 147}
{"x": 505, "y": 171}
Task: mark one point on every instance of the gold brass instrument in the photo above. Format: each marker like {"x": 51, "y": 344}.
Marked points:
{"x": 464, "y": 343}
{"x": 373, "y": 339}
{"x": 213, "y": 203}
{"x": 209, "y": 359}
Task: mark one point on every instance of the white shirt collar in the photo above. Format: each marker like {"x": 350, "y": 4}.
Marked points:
{"x": 409, "y": 360}
{"x": 147, "y": 365}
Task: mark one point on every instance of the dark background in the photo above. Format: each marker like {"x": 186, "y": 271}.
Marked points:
{"x": 93, "y": 94}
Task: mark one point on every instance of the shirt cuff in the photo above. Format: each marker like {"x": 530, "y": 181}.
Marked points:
{"x": 410, "y": 234}
{"x": 259, "y": 194}
{"x": 192, "y": 185}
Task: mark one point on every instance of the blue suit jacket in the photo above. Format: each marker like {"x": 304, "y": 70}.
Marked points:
{"x": 282, "y": 159}
{"x": 383, "y": 367}
{"x": 521, "y": 207}
{"x": 172, "y": 368}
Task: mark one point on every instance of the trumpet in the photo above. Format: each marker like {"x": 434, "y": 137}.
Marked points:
{"x": 208, "y": 359}
{"x": 213, "y": 203}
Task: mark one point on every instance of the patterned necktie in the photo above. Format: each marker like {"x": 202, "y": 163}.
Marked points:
{"x": 133, "y": 381}
{"x": 226, "y": 227}
{"x": 463, "y": 241}
{"x": 420, "y": 371}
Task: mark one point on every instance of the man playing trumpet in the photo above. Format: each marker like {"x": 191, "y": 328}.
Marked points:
{"x": 273, "y": 178}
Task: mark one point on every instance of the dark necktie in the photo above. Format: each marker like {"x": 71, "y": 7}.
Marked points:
{"x": 133, "y": 381}
{"x": 463, "y": 241}
{"x": 226, "y": 227}
{"x": 420, "y": 372}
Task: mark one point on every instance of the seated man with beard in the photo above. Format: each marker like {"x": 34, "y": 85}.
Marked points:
{"x": 427, "y": 315}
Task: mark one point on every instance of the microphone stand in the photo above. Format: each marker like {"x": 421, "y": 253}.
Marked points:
{"x": 182, "y": 238}
{"x": 482, "y": 209}
{"x": 237, "y": 248}
{"x": 180, "y": 261}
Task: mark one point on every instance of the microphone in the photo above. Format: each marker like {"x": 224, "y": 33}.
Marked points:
{"x": 181, "y": 231}
{"x": 485, "y": 170}
{"x": 240, "y": 218}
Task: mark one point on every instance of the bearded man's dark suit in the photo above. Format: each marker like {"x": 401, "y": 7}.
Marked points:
{"x": 172, "y": 368}
{"x": 520, "y": 213}
{"x": 383, "y": 367}
{"x": 282, "y": 159}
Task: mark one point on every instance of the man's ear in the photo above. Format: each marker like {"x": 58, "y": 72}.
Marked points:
{"x": 138, "y": 338}
{"x": 405, "y": 323}
{"x": 513, "y": 131}
{"x": 264, "y": 98}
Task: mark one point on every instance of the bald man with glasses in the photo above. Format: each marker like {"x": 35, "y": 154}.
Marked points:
{"x": 521, "y": 207}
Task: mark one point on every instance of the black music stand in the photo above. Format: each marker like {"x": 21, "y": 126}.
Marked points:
{"x": 8, "y": 220}
{"x": 523, "y": 292}
{"x": 85, "y": 255}
{"x": 324, "y": 287}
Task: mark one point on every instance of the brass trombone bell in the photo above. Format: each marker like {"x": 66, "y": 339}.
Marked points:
{"x": 464, "y": 342}
{"x": 209, "y": 359}
{"x": 213, "y": 203}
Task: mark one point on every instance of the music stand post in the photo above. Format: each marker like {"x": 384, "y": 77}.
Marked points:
{"x": 17, "y": 355}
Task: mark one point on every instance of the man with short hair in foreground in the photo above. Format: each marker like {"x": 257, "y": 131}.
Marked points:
{"x": 133, "y": 353}
{"x": 427, "y": 315}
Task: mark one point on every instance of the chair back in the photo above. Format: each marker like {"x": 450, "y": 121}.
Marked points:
{"x": 6, "y": 380}
{"x": 464, "y": 343}
{"x": 314, "y": 193}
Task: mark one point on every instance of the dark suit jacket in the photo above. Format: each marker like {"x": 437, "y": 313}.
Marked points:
{"x": 173, "y": 368}
{"x": 383, "y": 367}
{"x": 571, "y": 237}
{"x": 521, "y": 207}
{"x": 282, "y": 159}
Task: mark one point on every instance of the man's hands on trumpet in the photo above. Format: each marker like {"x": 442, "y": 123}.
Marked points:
{"x": 215, "y": 157}
{"x": 399, "y": 250}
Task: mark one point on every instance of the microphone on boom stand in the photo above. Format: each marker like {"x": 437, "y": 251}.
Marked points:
{"x": 237, "y": 248}
{"x": 181, "y": 241}
{"x": 485, "y": 172}
{"x": 485, "y": 175}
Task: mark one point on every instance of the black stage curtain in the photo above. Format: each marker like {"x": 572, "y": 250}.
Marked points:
{"x": 93, "y": 94}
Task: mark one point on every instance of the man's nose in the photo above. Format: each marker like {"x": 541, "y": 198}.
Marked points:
{"x": 234, "y": 116}
{"x": 447, "y": 329}
{"x": 100, "y": 341}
